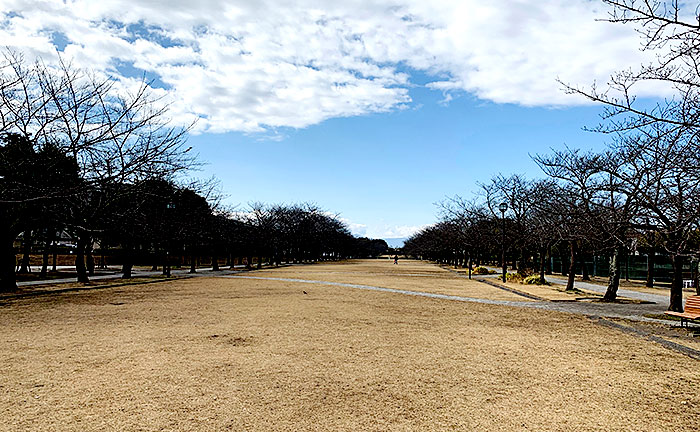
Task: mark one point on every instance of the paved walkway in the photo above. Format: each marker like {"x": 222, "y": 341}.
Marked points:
{"x": 662, "y": 300}
{"x": 115, "y": 274}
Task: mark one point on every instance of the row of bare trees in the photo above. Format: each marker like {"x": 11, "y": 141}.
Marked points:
{"x": 643, "y": 191}
{"x": 75, "y": 151}
{"x": 84, "y": 156}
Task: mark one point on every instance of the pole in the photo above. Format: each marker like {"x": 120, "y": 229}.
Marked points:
{"x": 166, "y": 269}
{"x": 503, "y": 245}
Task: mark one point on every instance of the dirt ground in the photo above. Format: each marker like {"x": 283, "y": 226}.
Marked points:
{"x": 212, "y": 354}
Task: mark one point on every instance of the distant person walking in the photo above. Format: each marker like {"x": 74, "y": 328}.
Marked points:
{"x": 396, "y": 259}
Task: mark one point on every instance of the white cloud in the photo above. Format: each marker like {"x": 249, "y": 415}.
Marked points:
{"x": 357, "y": 229}
{"x": 258, "y": 65}
{"x": 394, "y": 231}
{"x": 382, "y": 230}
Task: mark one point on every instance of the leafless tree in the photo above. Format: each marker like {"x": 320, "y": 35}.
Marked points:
{"x": 597, "y": 206}
{"x": 671, "y": 30}
{"x": 662, "y": 170}
{"x": 658, "y": 145}
{"x": 116, "y": 136}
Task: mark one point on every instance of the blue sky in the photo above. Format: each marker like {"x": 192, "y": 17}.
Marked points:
{"x": 386, "y": 170}
{"x": 373, "y": 109}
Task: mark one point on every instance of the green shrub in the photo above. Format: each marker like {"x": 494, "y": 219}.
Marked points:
{"x": 480, "y": 271}
{"x": 534, "y": 280}
{"x": 514, "y": 277}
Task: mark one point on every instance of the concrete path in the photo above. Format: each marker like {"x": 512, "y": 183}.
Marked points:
{"x": 114, "y": 274}
{"x": 662, "y": 300}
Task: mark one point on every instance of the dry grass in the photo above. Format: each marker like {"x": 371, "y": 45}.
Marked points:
{"x": 210, "y": 354}
{"x": 408, "y": 275}
{"x": 48, "y": 287}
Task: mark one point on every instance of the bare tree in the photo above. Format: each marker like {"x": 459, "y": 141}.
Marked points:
{"x": 545, "y": 221}
{"x": 516, "y": 191}
{"x": 672, "y": 30}
{"x": 117, "y": 137}
{"x": 659, "y": 143}
{"x": 663, "y": 172}
{"x": 34, "y": 181}
{"x": 597, "y": 206}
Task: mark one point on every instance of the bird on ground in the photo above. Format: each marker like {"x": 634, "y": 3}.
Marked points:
{"x": 304, "y": 292}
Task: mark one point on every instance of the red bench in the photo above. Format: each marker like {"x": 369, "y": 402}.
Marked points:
{"x": 691, "y": 311}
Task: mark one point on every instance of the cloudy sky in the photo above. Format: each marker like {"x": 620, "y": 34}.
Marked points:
{"x": 372, "y": 109}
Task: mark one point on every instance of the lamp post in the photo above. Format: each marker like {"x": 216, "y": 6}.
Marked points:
{"x": 503, "y": 207}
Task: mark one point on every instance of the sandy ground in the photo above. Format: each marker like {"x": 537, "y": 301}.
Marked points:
{"x": 211, "y": 354}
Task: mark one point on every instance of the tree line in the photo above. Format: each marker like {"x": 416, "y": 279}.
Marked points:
{"x": 82, "y": 155}
{"x": 642, "y": 193}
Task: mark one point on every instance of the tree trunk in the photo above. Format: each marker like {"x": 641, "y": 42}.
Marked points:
{"x": 45, "y": 255}
{"x": 80, "y": 268}
{"x": 572, "y": 266}
{"x": 127, "y": 267}
{"x": 8, "y": 263}
{"x": 215, "y": 263}
{"x": 469, "y": 266}
{"x": 89, "y": 259}
{"x": 676, "y": 299}
{"x": 697, "y": 279}
{"x": 595, "y": 264}
{"x": 193, "y": 264}
{"x": 54, "y": 252}
{"x": 521, "y": 262}
{"x": 614, "y": 278}
{"x": 564, "y": 270}
{"x": 543, "y": 259}
{"x": 127, "y": 263}
{"x": 584, "y": 269}
{"x": 103, "y": 264}
{"x": 260, "y": 259}
{"x": 548, "y": 268}
{"x": 651, "y": 259}
{"x": 26, "y": 253}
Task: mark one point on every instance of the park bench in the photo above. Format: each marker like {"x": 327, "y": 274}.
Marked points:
{"x": 691, "y": 311}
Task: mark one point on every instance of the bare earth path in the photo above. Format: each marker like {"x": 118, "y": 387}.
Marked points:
{"x": 210, "y": 354}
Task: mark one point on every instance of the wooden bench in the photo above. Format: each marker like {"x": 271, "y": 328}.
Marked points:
{"x": 691, "y": 312}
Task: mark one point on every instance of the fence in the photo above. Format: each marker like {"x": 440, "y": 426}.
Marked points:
{"x": 631, "y": 267}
